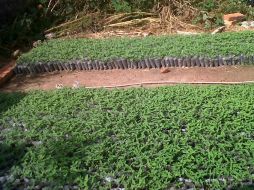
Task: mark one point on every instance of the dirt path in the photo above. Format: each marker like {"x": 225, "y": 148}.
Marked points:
{"x": 130, "y": 78}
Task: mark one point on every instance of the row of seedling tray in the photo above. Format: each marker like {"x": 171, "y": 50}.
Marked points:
{"x": 87, "y": 64}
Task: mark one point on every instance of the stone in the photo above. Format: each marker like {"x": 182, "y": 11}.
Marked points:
{"x": 16, "y": 54}
{"x": 186, "y": 33}
{"x": 40, "y": 7}
{"x": 37, "y": 187}
{"x": 165, "y": 70}
{"x": 50, "y": 36}
{"x": 59, "y": 86}
{"x": 26, "y": 180}
{"x": 233, "y": 18}
{"x": 37, "y": 143}
{"x": 247, "y": 24}
{"x": 17, "y": 182}
{"x": 2, "y": 179}
{"x": 181, "y": 179}
{"x": 76, "y": 84}
{"x": 37, "y": 43}
{"x": 251, "y": 23}
{"x": 108, "y": 179}
{"x": 10, "y": 178}
{"x": 66, "y": 187}
{"x": 145, "y": 34}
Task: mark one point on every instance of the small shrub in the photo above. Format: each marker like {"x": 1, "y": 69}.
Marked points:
{"x": 121, "y": 6}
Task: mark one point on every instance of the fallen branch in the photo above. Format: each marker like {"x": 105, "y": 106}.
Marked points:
{"x": 219, "y": 30}
{"x": 48, "y": 7}
{"x": 63, "y": 25}
{"x": 170, "y": 83}
{"x": 54, "y": 6}
{"x": 127, "y": 16}
{"x": 134, "y": 22}
{"x": 50, "y": 2}
{"x": 187, "y": 33}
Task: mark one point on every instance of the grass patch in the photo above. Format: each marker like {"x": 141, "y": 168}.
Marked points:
{"x": 133, "y": 138}
{"x": 139, "y": 48}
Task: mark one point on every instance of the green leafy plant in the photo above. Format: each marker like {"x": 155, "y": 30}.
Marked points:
{"x": 207, "y": 5}
{"x": 139, "y": 48}
{"x": 201, "y": 136}
{"x": 121, "y": 6}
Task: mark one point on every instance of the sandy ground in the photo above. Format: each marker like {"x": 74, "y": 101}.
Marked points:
{"x": 124, "y": 78}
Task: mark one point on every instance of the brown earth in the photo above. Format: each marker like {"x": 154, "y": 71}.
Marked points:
{"x": 6, "y": 72}
{"x": 127, "y": 78}
{"x": 5, "y": 61}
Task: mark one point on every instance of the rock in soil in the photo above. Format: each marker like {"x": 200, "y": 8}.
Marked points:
{"x": 219, "y": 30}
{"x": 2, "y": 179}
{"x": 230, "y": 19}
{"x": 165, "y": 70}
{"x": 247, "y": 24}
{"x": 16, "y": 54}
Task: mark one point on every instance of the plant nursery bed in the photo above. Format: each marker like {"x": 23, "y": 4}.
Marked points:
{"x": 203, "y": 50}
{"x": 178, "y": 137}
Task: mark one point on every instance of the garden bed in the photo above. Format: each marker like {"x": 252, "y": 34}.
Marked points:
{"x": 180, "y": 136}
{"x": 138, "y": 53}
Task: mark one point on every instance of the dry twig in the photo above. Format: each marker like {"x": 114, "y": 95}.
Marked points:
{"x": 175, "y": 14}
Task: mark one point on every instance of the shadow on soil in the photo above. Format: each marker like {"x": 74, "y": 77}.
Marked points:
{"x": 247, "y": 187}
{"x": 10, "y": 154}
{"x": 7, "y": 100}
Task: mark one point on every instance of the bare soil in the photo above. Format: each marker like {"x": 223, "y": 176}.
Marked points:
{"x": 5, "y": 61}
{"x": 130, "y": 78}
